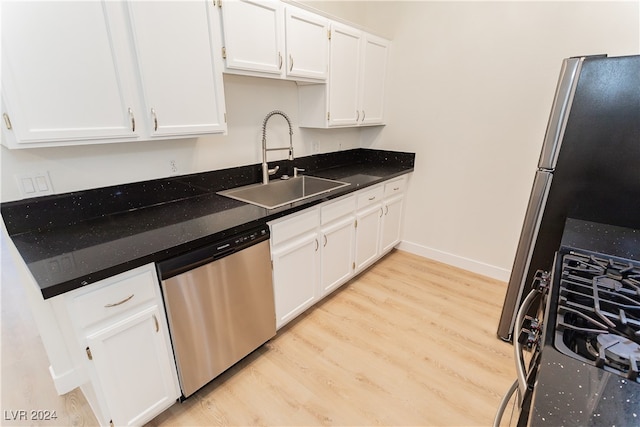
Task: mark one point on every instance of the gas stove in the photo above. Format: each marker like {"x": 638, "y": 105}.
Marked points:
{"x": 581, "y": 323}
{"x": 598, "y": 312}
{"x": 587, "y": 370}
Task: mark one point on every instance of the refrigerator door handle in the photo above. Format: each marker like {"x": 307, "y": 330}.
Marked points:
{"x": 524, "y": 252}
{"x": 560, "y": 109}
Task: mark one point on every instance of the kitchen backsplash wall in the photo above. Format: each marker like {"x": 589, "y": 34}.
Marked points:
{"x": 248, "y": 100}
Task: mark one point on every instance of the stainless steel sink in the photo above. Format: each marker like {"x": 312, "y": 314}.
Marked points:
{"x": 282, "y": 192}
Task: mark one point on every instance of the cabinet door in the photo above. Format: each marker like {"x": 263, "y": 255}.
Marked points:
{"x": 336, "y": 256}
{"x": 374, "y": 66}
{"x": 253, "y": 35}
{"x": 344, "y": 63}
{"x": 61, "y": 75}
{"x": 182, "y": 83}
{"x": 307, "y": 44}
{"x": 294, "y": 277}
{"x": 367, "y": 236}
{"x": 391, "y": 221}
{"x": 133, "y": 366}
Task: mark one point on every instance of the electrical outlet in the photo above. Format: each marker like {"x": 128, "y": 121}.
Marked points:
{"x": 173, "y": 167}
{"x": 315, "y": 146}
{"x": 34, "y": 184}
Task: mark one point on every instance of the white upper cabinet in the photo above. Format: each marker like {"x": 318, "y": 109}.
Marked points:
{"x": 267, "y": 38}
{"x": 307, "y": 44}
{"x": 87, "y": 72}
{"x": 372, "y": 79}
{"x": 344, "y": 83}
{"x": 176, "y": 57}
{"x": 253, "y": 35}
{"x": 354, "y": 93}
{"x": 64, "y": 76}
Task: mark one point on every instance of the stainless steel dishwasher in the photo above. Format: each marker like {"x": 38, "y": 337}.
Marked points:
{"x": 220, "y": 305}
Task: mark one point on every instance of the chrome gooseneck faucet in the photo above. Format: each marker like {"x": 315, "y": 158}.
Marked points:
{"x": 265, "y": 167}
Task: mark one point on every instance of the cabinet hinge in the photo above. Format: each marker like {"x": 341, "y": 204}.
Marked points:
{"x": 329, "y": 34}
{"x": 224, "y": 52}
{"x": 7, "y": 120}
{"x": 89, "y": 355}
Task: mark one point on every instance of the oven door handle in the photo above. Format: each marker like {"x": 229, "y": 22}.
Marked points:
{"x": 504, "y": 402}
{"x": 517, "y": 347}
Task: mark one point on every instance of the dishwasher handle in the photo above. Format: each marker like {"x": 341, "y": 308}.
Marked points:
{"x": 211, "y": 252}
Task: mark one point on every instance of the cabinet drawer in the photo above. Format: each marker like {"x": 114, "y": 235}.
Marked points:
{"x": 284, "y": 230}
{"x": 114, "y": 298}
{"x": 370, "y": 196}
{"x": 395, "y": 186}
{"x": 337, "y": 209}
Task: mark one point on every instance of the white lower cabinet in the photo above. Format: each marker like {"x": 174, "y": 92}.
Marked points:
{"x": 294, "y": 277}
{"x": 337, "y": 231}
{"x": 392, "y": 214}
{"x": 121, "y": 328}
{"x": 133, "y": 367}
{"x": 367, "y": 236}
{"x": 391, "y": 221}
{"x": 336, "y": 257}
{"x": 319, "y": 249}
{"x": 294, "y": 251}
{"x": 368, "y": 219}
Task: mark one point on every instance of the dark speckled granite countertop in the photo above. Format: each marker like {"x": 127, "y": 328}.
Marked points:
{"x": 569, "y": 392}
{"x": 71, "y": 240}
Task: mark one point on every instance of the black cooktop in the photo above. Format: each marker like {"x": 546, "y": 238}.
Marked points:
{"x": 588, "y": 364}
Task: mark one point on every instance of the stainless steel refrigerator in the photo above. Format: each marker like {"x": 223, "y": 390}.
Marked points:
{"x": 589, "y": 167}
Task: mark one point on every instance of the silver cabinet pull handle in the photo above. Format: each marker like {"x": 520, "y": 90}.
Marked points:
{"x": 155, "y": 319}
{"x": 155, "y": 119}
{"x": 133, "y": 120}
{"x": 357, "y": 115}
{"x": 372, "y": 198}
{"x": 118, "y": 303}
{"x": 7, "y": 121}
{"x": 386, "y": 209}
{"x": 325, "y": 240}
{"x": 280, "y": 59}
{"x": 396, "y": 188}
{"x": 290, "y": 62}
{"x": 363, "y": 115}
{"x": 381, "y": 212}
{"x": 317, "y": 245}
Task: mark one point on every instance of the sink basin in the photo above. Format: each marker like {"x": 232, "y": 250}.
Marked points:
{"x": 282, "y": 192}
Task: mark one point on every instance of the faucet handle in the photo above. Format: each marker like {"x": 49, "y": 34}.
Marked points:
{"x": 296, "y": 170}
{"x": 274, "y": 170}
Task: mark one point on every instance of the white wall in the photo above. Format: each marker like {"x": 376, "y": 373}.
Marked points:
{"x": 470, "y": 90}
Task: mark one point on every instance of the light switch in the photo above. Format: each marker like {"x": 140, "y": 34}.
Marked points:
{"x": 34, "y": 184}
{"x": 42, "y": 183}
{"x": 27, "y": 185}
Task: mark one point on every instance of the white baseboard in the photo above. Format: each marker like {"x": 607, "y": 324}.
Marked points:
{"x": 478, "y": 267}
{"x": 66, "y": 381}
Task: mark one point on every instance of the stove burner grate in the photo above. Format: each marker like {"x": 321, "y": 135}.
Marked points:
{"x": 598, "y": 314}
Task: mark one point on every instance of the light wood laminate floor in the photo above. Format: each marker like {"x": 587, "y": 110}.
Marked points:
{"x": 408, "y": 342}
